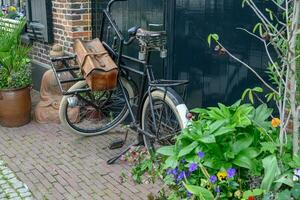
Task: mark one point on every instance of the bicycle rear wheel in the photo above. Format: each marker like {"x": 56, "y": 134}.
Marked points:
{"x": 169, "y": 117}
{"x": 94, "y": 112}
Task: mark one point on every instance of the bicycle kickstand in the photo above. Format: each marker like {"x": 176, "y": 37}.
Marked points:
{"x": 114, "y": 159}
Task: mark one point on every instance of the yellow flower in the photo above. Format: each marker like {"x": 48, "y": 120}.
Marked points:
{"x": 222, "y": 175}
{"x": 275, "y": 122}
{"x": 12, "y": 9}
{"x": 238, "y": 194}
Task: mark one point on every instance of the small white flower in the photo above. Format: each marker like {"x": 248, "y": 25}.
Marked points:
{"x": 297, "y": 172}
{"x": 295, "y": 178}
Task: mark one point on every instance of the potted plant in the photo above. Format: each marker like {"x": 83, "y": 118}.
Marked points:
{"x": 15, "y": 77}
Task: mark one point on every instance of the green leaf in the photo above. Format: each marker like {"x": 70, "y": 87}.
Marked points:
{"x": 207, "y": 139}
{"x": 271, "y": 172}
{"x": 268, "y": 147}
{"x": 245, "y": 93}
{"x": 296, "y": 191}
{"x": 166, "y": 150}
{"x": 224, "y": 130}
{"x": 216, "y": 125}
{"x": 198, "y": 110}
{"x": 285, "y": 179}
{"x": 296, "y": 160}
{"x": 262, "y": 112}
{"x": 257, "y": 89}
{"x": 243, "y": 3}
{"x": 200, "y": 192}
{"x": 247, "y": 194}
{"x": 236, "y": 104}
{"x": 251, "y": 97}
{"x": 209, "y": 40}
{"x": 270, "y": 13}
{"x": 241, "y": 116}
{"x": 171, "y": 162}
{"x": 242, "y": 144}
{"x": 243, "y": 161}
{"x": 257, "y": 192}
{"x": 261, "y": 116}
{"x": 250, "y": 152}
{"x": 186, "y": 150}
{"x": 257, "y": 26}
{"x": 269, "y": 96}
{"x": 215, "y": 36}
{"x": 284, "y": 195}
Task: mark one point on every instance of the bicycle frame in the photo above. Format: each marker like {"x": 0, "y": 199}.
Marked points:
{"x": 148, "y": 80}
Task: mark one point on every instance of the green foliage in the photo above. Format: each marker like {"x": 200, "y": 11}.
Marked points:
{"x": 250, "y": 93}
{"x": 272, "y": 170}
{"x": 222, "y": 152}
{"x": 14, "y": 59}
{"x": 201, "y": 192}
{"x": 214, "y": 36}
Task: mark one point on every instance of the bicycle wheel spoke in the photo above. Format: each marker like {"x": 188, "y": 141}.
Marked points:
{"x": 97, "y": 111}
{"x": 167, "y": 124}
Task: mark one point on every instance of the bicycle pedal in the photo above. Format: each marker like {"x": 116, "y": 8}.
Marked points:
{"x": 117, "y": 144}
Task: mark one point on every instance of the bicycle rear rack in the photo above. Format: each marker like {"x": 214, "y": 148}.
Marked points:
{"x": 67, "y": 64}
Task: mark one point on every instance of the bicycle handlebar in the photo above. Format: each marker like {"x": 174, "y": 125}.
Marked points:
{"x": 110, "y": 3}
{"x": 129, "y": 41}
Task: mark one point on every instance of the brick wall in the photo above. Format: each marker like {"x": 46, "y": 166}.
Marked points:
{"x": 71, "y": 20}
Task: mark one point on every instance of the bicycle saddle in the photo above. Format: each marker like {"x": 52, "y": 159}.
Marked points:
{"x": 132, "y": 31}
{"x": 145, "y": 33}
{"x": 140, "y": 32}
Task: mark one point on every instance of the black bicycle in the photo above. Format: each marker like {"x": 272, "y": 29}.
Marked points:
{"x": 158, "y": 113}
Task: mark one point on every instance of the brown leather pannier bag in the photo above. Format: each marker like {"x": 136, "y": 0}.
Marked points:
{"x": 97, "y": 67}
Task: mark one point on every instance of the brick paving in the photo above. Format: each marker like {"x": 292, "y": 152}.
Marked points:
{"x": 57, "y": 164}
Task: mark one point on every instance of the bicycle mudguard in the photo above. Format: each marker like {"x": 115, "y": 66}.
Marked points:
{"x": 178, "y": 101}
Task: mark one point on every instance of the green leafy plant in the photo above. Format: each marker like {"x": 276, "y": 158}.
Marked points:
{"x": 14, "y": 59}
{"x": 227, "y": 152}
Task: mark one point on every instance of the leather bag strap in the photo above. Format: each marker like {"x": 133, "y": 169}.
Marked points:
{"x": 95, "y": 55}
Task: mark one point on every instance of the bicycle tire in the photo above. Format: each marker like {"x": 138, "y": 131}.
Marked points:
{"x": 176, "y": 106}
{"x": 71, "y": 126}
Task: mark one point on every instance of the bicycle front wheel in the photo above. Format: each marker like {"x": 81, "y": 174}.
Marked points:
{"x": 170, "y": 119}
{"x": 93, "y": 113}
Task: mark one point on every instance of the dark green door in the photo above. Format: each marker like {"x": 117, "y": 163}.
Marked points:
{"x": 213, "y": 77}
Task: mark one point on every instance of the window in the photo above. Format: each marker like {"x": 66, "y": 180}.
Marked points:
{"x": 39, "y": 16}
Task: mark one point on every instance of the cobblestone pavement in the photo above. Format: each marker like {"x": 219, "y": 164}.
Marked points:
{"x": 56, "y": 164}
{"x": 11, "y": 187}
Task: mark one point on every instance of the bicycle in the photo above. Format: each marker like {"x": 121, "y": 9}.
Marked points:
{"x": 159, "y": 113}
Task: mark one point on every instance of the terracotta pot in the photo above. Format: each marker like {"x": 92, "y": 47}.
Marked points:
{"x": 15, "y": 107}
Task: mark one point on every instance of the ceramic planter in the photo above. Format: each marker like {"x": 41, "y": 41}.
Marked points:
{"x": 15, "y": 107}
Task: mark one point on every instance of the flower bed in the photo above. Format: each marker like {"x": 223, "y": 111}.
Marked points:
{"x": 227, "y": 152}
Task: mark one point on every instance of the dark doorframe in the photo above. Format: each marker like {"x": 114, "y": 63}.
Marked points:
{"x": 170, "y": 27}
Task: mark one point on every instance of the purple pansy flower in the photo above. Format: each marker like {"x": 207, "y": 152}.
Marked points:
{"x": 213, "y": 179}
{"x": 231, "y": 172}
{"x": 169, "y": 171}
{"x": 201, "y": 154}
{"x": 187, "y": 174}
{"x": 193, "y": 167}
{"x": 180, "y": 176}
{"x": 175, "y": 171}
{"x": 218, "y": 190}
{"x": 188, "y": 194}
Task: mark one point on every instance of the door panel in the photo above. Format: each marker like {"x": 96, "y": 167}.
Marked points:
{"x": 132, "y": 13}
{"x": 213, "y": 77}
